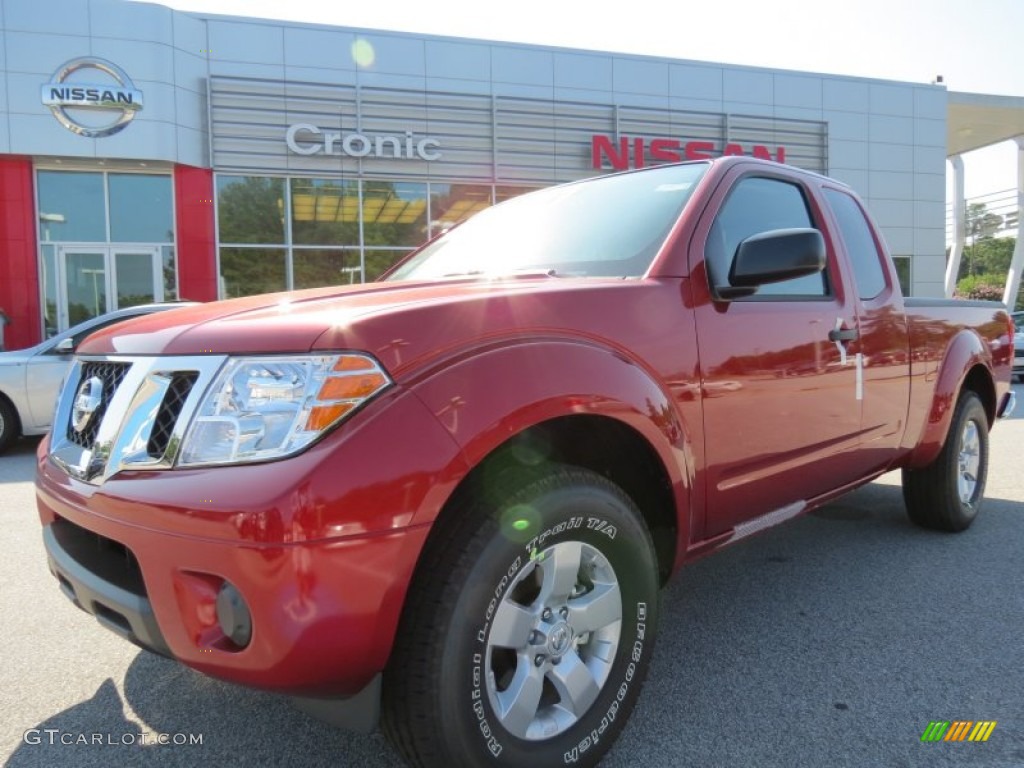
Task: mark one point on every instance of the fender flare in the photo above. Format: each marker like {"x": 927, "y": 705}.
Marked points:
{"x": 965, "y": 352}
{"x": 490, "y": 395}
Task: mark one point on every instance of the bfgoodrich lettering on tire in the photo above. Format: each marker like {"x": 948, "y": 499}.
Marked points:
{"x": 528, "y": 628}
{"x": 947, "y": 493}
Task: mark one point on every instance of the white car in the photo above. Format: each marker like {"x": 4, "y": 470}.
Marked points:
{"x": 30, "y": 379}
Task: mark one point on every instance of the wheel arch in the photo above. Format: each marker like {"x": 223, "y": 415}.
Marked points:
{"x": 967, "y": 367}
{"x": 601, "y": 444}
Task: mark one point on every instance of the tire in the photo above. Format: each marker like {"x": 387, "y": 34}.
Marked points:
{"x": 946, "y": 495}
{"x": 528, "y": 627}
{"x": 9, "y": 425}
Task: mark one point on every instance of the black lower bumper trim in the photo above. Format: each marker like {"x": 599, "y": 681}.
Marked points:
{"x": 119, "y": 610}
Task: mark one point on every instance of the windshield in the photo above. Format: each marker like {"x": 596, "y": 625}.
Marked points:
{"x": 611, "y": 226}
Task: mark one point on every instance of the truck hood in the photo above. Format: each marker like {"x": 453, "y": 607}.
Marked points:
{"x": 399, "y": 322}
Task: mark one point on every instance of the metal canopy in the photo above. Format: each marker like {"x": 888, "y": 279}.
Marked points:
{"x": 976, "y": 120}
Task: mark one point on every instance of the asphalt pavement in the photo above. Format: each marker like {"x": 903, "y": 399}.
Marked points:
{"x": 830, "y": 641}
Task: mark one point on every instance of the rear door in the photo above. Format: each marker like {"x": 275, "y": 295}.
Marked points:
{"x": 780, "y": 411}
{"x": 883, "y": 346}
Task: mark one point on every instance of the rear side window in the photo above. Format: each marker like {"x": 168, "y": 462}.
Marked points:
{"x": 758, "y": 205}
{"x": 860, "y": 245}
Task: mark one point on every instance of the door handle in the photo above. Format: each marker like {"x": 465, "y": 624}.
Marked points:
{"x": 843, "y": 334}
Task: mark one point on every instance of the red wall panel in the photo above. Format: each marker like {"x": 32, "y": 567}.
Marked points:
{"x": 196, "y": 241}
{"x": 19, "y": 276}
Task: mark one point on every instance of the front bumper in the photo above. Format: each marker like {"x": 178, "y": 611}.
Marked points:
{"x": 324, "y": 612}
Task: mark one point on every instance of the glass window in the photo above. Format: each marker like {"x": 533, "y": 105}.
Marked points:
{"x": 394, "y": 213}
{"x": 170, "y": 273}
{"x": 758, "y": 205}
{"x": 452, "y": 203}
{"x": 86, "y": 275}
{"x": 902, "y": 264}
{"x": 380, "y": 261}
{"x": 501, "y": 194}
{"x": 860, "y": 245}
{"x": 250, "y": 209}
{"x": 248, "y": 271}
{"x": 72, "y": 207}
{"x": 325, "y": 212}
{"x": 48, "y": 284}
{"x": 318, "y": 267}
{"x": 140, "y": 208}
{"x": 608, "y": 226}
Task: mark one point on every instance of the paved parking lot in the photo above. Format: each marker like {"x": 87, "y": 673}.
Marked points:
{"x": 832, "y": 641}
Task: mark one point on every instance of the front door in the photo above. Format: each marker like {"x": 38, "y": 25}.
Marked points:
{"x": 95, "y": 279}
{"x": 780, "y": 410}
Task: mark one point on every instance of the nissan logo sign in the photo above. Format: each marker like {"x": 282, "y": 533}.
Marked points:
{"x": 71, "y": 98}
{"x": 87, "y": 402}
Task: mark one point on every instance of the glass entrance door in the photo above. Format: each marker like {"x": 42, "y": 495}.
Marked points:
{"x": 137, "y": 278}
{"x": 93, "y": 280}
{"x": 84, "y": 284}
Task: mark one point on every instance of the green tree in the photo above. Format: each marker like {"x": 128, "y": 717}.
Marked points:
{"x": 988, "y": 256}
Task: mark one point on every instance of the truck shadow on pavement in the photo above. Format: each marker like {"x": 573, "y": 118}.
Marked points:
{"x": 833, "y": 640}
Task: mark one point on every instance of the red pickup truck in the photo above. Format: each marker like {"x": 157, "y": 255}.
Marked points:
{"x": 451, "y": 497}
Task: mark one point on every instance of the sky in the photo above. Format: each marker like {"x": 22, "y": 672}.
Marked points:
{"x": 976, "y": 45}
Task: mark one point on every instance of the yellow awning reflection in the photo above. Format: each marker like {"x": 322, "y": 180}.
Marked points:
{"x": 330, "y": 207}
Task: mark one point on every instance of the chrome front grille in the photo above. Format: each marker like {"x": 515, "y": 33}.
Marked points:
{"x": 169, "y": 411}
{"x": 111, "y": 375}
{"x": 120, "y": 412}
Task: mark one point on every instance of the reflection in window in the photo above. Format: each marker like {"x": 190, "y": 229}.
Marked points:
{"x": 380, "y": 261}
{"x": 48, "y": 280}
{"x": 902, "y": 264}
{"x": 394, "y": 213}
{"x": 140, "y": 208}
{"x": 248, "y": 271}
{"x": 250, "y": 209}
{"x": 501, "y": 194}
{"x": 86, "y": 275}
{"x": 452, "y": 203}
{"x": 72, "y": 207}
{"x": 325, "y": 212}
{"x": 170, "y": 274}
{"x": 757, "y": 205}
{"x": 319, "y": 267}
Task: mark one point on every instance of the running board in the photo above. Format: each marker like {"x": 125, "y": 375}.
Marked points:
{"x": 758, "y": 524}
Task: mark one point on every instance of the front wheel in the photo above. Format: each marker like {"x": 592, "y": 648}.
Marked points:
{"x": 528, "y": 628}
{"x": 946, "y": 494}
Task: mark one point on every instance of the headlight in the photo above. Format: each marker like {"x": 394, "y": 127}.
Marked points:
{"x": 270, "y": 407}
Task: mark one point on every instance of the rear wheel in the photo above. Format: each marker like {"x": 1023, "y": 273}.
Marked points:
{"x": 946, "y": 494}
{"x": 9, "y": 427}
{"x": 528, "y": 628}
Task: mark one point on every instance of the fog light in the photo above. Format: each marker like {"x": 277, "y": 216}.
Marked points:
{"x": 233, "y": 615}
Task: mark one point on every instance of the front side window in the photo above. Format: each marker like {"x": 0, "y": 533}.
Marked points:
{"x": 757, "y": 205}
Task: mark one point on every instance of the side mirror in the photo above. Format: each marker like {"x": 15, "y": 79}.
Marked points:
{"x": 771, "y": 257}
{"x": 65, "y": 346}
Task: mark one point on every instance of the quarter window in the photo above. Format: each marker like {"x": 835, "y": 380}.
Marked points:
{"x": 758, "y": 205}
{"x": 860, "y": 245}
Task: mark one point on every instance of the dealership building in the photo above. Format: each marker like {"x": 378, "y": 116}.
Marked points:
{"x": 149, "y": 154}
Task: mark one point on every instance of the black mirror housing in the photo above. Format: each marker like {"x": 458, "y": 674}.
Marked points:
{"x": 774, "y": 256}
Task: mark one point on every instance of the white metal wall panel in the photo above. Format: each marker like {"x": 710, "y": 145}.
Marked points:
{"x": 481, "y": 137}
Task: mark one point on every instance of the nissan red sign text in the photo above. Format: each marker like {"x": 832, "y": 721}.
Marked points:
{"x": 637, "y": 151}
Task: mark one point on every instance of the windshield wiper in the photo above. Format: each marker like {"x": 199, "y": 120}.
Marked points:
{"x": 513, "y": 273}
